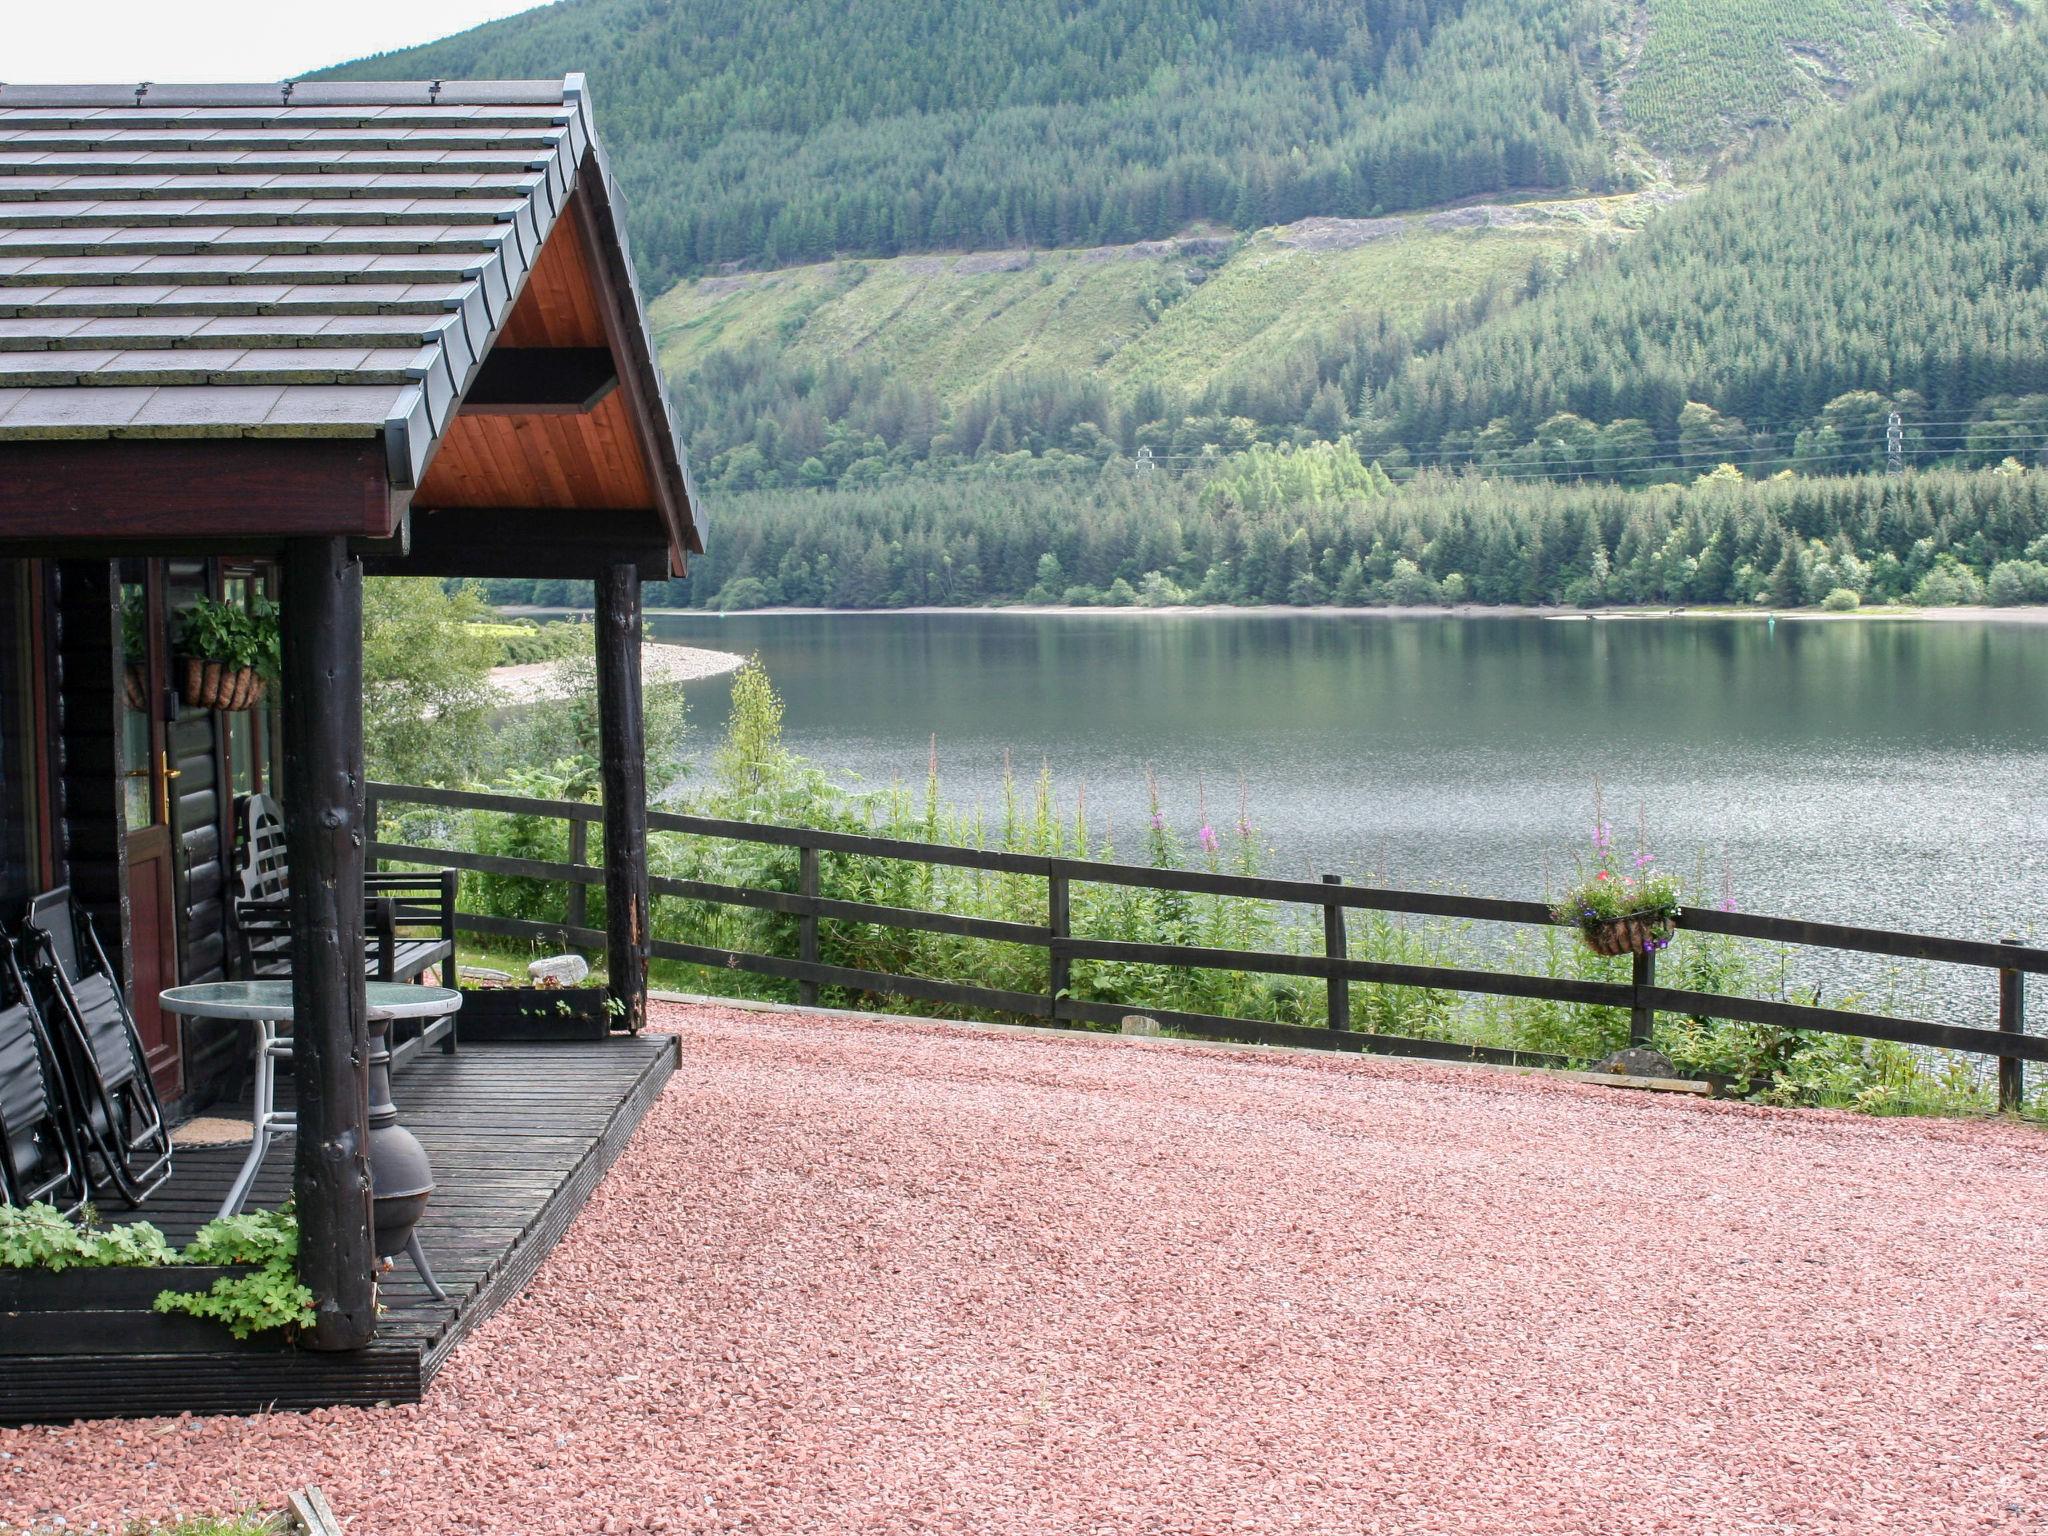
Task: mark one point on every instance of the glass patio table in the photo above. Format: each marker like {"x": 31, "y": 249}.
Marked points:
{"x": 393, "y": 1150}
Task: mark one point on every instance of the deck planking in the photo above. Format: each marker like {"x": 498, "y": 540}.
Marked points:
{"x": 519, "y": 1135}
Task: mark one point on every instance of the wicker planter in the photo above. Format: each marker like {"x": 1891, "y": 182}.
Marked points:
{"x": 220, "y": 685}
{"x": 135, "y": 684}
{"x": 1638, "y": 933}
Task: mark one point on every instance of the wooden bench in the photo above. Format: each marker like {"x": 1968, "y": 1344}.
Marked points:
{"x": 408, "y": 922}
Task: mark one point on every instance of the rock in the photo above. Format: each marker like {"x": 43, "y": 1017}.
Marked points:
{"x": 1326, "y": 234}
{"x": 483, "y": 975}
{"x": 1638, "y": 1061}
{"x": 558, "y": 970}
{"x": 1139, "y": 1024}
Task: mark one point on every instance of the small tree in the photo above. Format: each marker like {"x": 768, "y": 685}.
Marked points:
{"x": 426, "y": 679}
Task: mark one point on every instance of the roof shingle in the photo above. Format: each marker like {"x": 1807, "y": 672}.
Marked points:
{"x": 289, "y": 260}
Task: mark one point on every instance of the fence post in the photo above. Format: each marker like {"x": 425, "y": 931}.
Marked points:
{"x": 1642, "y": 1019}
{"x": 2012, "y": 1020}
{"x": 1058, "y": 918}
{"x": 579, "y": 853}
{"x": 1334, "y": 946}
{"x": 807, "y": 924}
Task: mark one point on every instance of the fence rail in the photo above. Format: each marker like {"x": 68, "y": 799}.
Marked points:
{"x": 2010, "y": 960}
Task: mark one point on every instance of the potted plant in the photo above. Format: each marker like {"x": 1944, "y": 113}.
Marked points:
{"x": 135, "y": 649}
{"x": 229, "y": 652}
{"x": 1620, "y": 908}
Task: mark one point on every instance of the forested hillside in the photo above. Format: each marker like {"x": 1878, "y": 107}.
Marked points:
{"x": 1898, "y": 248}
{"x": 787, "y": 133}
{"x": 1320, "y": 526}
{"x": 1185, "y": 244}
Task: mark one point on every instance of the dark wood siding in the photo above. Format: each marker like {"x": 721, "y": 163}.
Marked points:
{"x": 92, "y": 847}
{"x": 17, "y": 736}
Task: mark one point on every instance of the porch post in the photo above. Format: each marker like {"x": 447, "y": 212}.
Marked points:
{"x": 322, "y": 622}
{"x": 622, "y": 750}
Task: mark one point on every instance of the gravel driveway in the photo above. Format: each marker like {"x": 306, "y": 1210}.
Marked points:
{"x": 868, "y": 1277}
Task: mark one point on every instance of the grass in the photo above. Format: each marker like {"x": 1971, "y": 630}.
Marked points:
{"x": 1134, "y": 320}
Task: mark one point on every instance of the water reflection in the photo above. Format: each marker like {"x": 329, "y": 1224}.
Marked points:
{"x": 1875, "y": 771}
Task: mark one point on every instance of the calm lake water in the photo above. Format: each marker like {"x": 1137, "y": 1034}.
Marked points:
{"x": 1887, "y": 772}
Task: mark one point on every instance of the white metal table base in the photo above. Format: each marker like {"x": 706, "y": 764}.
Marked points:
{"x": 269, "y": 1124}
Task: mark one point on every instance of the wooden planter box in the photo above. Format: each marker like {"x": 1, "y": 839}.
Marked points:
{"x": 533, "y": 1013}
{"x": 110, "y": 1309}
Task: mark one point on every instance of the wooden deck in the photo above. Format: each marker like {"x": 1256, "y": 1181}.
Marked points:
{"x": 519, "y": 1135}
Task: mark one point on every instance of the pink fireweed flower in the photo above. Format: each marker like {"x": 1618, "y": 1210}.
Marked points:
{"x": 1158, "y": 822}
{"x": 1645, "y": 859}
{"x": 1207, "y": 837}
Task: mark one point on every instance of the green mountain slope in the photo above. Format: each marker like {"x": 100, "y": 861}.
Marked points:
{"x": 786, "y": 134}
{"x": 1699, "y": 75}
{"x": 1183, "y": 313}
{"x": 1899, "y": 248}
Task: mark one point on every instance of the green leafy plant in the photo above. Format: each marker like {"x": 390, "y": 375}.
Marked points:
{"x": 234, "y": 635}
{"x": 270, "y": 1297}
{"x": 134, "y": 628}
{"x": 43, "y": 1237}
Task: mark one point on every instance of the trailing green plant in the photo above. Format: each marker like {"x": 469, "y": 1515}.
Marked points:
{"x": 233, "y": 634}
{"x": 43, "y": 1237}
{"x": 269, "y": 1297}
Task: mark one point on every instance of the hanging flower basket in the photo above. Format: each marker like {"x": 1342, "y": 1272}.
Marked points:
{"x": 1620, "y": 908}
{"x": 220, "y": 685}
{"x": 1636, "y": 933}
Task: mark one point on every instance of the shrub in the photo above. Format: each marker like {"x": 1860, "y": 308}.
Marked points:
{"x": 1948, "y": 585}
{"x": 2018, "y": 581}
{"x": 1841, "y": 600}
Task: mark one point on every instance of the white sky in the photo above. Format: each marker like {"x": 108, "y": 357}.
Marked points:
{"x": 207, "y": 41}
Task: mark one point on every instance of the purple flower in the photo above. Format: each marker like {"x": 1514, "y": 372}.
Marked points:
{"x": 1208, "y": 838}
{"x": 1158, "y": 821}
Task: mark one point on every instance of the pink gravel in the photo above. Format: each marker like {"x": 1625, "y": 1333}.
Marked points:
{"x": 894, "y": 1277}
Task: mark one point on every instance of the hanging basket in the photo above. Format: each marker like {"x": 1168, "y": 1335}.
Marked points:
{"x": 1636, "y": 934}
{"x": 135, "y": 685}
{"x": 220, "y": 685}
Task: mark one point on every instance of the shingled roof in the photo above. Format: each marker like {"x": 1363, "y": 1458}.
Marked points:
{"x": 313, "y": 260}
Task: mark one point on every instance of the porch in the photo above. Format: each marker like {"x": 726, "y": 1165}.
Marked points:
{"x": 520, "y": 1133}
{"x": 261, "y": 341}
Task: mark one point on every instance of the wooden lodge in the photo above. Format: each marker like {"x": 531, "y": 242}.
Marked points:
{"x": 256, "y": 341}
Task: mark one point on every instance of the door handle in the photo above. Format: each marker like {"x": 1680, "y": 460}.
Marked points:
{"x": 164, "y": 787}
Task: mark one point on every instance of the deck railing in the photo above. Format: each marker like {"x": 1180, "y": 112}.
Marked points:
{"x": 2009, "y": 961}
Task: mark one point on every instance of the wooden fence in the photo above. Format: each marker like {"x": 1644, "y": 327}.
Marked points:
{"x": 2010, "y": 961}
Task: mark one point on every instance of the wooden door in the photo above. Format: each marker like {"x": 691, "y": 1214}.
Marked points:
{"x": 146, "y": 779}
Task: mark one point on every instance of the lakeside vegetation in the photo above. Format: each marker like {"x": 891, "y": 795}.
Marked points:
{"x": 750, "y": 775}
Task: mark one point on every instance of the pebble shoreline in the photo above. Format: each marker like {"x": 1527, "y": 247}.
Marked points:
{"x": 535, "y": 682}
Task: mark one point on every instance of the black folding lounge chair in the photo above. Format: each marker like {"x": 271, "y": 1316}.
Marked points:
{"x": 117, "y": 1118}
{"x": 37, "y": 1158}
